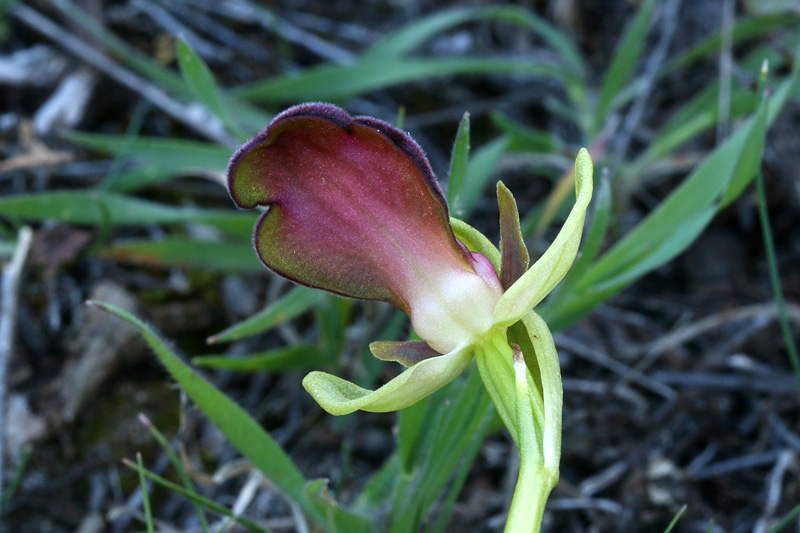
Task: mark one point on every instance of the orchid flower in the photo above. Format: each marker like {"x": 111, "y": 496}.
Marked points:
{"x": 354, "y": 208}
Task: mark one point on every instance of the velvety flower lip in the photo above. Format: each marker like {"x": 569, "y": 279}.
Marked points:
{"x": 354, "y": 208}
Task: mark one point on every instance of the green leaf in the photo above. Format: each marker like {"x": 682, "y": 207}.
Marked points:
{"x": 142, "y": 63}
{"x": 196, "y": 498}
{"x": 200, "y": 80}
{"x": 627, "y": 54}
{"x": 148, "y": 515}
{"x": 411, "y": 428}
{"x": 675, "y": 519}
{"x": 682, "y": 216}
{"x": 524, "y": 138}
{"x": 454, "y": 422}
{"x": 293, "y": 304}
{"x": 164, "y": 153}
{"x": 329, "y": 82}
{"x": 422, "y": 29}
{"x": 336, "y": 517}
{"x": 378, "y": 490}
{"x": 84, "y": 207}
{"x": 479, "y": 172}
{"x": 340, "y": 397}
{"x": 743, "y": 29}
{"x": 554, "y": 263}
{"x": 459, "y": 160}
{"x": 698, "y": 115}
{"x": 186, "y": 481}
{"x": 238, "y": 426}
{"x": 180, "y": 251}
{"x": 665, "y": 232}
{"x": 296, "y": 357}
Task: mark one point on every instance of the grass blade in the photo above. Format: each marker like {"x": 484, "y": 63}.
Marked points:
{"x": 240, "y": 428}
{"x": 699, "y": 115}
{"x": 200, "y": 80}
{"x": 775, "y": 278}
{"x": 524, "y": 138}
{"x": 296, "y": 302}
{"x": 458, "y": 161}
{"x": 626, "y": 56}
{"x": 743, "y": 29}
{"x": 176, "y": 462}
{"x": 423, "y": 29}
{"x": 84, "y": 207}
{"x": 680, "y": 218}
{"x": 180, "y": 251}
{"x": 173, "y": 154}
{"x": 297, "y": 357}
{"x": 141, "y": 63}
{"x": 331, "y": 82}
{"x": 148, "y": 515}
{"x": 675, "y": 519}
{"x": 480, "y": 170}
{"x": 786, "y": 520}
{"x": 205, "y": 502}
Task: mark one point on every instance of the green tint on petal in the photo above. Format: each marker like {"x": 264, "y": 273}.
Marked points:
{"x": 407, "y": 353}
{"x": 513, "y": 252}
{"x": 340, "y": 397}
{"x": 553, "y": 265}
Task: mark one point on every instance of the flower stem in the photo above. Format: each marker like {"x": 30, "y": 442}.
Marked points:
{"x": 530, "y": 495}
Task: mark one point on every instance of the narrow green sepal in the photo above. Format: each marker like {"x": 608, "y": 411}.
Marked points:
{"x": 553, "y": 265}
{"x": 513, "y": 252}
{"x": 495, "y": 361}
{"x": 407, "y": 353}
{"x": 475, "y": 241}
{"x": 551, "y": 388}
{"x": 340, "y": 397}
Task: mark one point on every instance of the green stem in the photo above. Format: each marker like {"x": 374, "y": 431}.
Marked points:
{"x": 530, "y": 496}
{"x": 775, "y": 277}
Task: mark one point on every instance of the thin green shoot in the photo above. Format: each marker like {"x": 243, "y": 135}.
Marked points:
{"x": 211, "y": 505}
{"x": 775, "y": 279}
{"x": 8, "y": 494}
{"x": 132, "y": 131}
{"x": 459, "y": 160}
{"x": 177, "y": 463}
{"x": 148, "y": 515}
{"x": 786, "y": 520}
{"x": 675, "y": 519}
{"x": 401, "y": 117}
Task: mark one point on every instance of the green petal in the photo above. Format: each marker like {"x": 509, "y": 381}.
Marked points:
{"x": 407, "y": 353}
{"x": 340, "y": 397}
{"x": 553, "y": 265}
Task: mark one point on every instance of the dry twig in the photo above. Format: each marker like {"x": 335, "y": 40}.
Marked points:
{"x": 195, "y": 116}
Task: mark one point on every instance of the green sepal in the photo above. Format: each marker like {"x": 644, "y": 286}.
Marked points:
{"x": 475, "y": 241}
{"x": 340, "y": 397}
{"x": 553, "y": 265}
{"x": 513, "y": 252}
{"x": 494, "y": 358}
{"x": 552, "y": 392}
